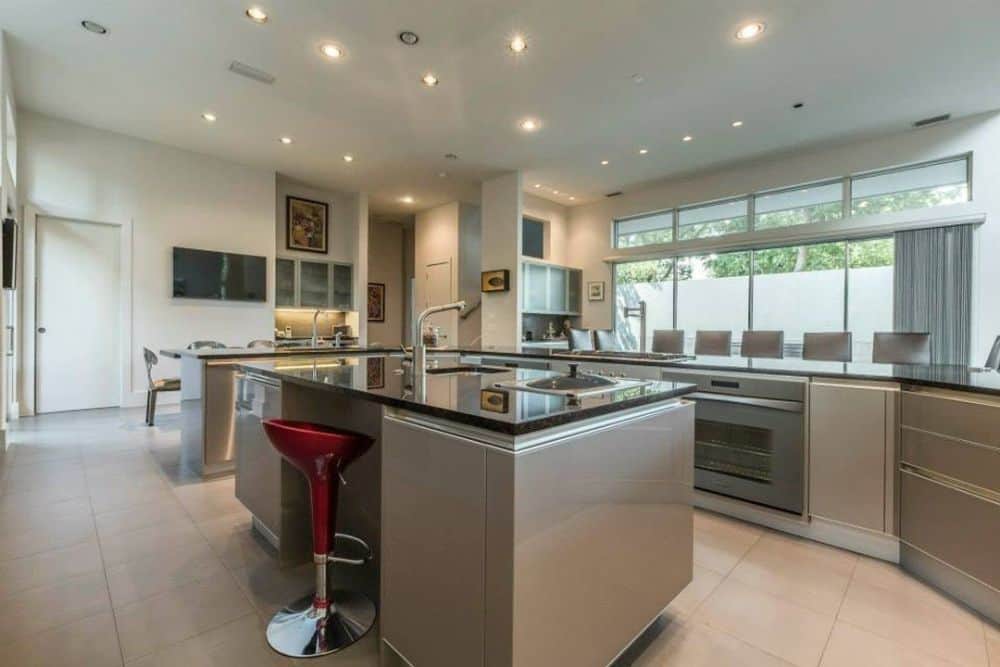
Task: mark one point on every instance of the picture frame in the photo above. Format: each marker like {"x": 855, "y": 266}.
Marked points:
{"x": 375, "y": 373}
{"x": 307, "y": 225}
{"x": 595, "y": 290}
{"x": 494, "y": 400}
{"x": 495, "y": 281}
{"x": 376, "y": 302}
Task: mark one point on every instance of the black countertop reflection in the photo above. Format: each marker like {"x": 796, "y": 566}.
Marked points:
{"x": 466, "y": 399}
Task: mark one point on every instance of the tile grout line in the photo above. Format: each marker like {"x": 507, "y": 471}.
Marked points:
{"x": 836, "y": 616}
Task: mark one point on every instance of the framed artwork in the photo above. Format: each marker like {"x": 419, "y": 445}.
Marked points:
{"x": 376, "y": 302}
{"x": 495, "y": 281}
{"x": 595, "y": 291}
{"x": 375, "y": 373}
{"x": 494, "y": 400}
{"x": 306, "y": 224}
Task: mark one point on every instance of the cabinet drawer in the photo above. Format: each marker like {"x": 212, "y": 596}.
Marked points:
{"x": 971, "y": 463}
{"x": 957, "y": 527}
{"x": 964, "y": 419}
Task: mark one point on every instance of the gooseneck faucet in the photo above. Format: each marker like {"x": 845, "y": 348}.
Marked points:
{"x": 315, "y": 337}
{"x": 417, "y": 333}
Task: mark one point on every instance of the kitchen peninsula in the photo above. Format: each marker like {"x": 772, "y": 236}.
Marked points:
{"x": 526, "y": 524}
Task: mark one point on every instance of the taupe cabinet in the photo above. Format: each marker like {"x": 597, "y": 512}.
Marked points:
{"x": 852, "y": 440}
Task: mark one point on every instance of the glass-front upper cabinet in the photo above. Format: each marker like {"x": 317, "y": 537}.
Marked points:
{"x": 314, "y": 279}
{"x": 549, "y": 288}
{"x": 536, "y": 277}
{"x": 558, "y": 285}
{"x": 343, "y": 287}
{"x": 284, "y": 283}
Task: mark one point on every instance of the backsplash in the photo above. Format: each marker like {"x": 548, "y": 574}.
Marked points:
{"x": 538, "y": 324}
{"x": 301, "y": 322}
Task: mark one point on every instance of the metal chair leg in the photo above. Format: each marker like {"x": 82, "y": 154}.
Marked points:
{"x": 149, "y": 397}
{"x": 152, "y": 408}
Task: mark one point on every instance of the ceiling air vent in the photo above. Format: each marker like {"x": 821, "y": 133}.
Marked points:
{"x": 614, "y": 194}
{"x": 250, "y": 72}
{"x": 933, "y": 119}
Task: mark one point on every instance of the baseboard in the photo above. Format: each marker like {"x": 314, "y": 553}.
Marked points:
{"x": 877, "y": 545}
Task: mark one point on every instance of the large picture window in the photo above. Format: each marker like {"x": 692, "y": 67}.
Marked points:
{"x": 821, "y": 202}
{"x": 713, "y": 294}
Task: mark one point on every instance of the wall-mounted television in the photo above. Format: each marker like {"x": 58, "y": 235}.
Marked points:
{"x": 226, "y": 276}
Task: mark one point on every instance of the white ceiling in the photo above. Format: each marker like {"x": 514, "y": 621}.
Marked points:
{"x": 860, "y": 66}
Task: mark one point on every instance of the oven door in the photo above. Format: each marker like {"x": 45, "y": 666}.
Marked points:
{"x": 750, "y": 448}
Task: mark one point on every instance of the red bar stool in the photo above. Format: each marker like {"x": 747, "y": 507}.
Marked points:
{"x": 319, "y": 624}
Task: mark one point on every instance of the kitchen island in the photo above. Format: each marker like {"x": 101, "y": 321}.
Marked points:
{"x": 509, "y": 526}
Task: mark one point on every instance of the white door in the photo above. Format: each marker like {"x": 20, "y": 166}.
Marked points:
{"x": 78, "y": 365}
{"x": 437, "y": 291}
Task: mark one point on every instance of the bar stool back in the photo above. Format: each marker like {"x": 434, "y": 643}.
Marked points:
{"x": 606, "y": 340}
{"x": 714, "y": 343}
{"x": 206, "y": 345}
{"x": 155, "y": 386}
{"x": 581, "y": 339}
{"x": 763, "y": 344}
{"x": 897, "y": 347}
{"x": 668, "y": 341}
{"x": 993, "y": 360}
{"x": 828, "y": 346}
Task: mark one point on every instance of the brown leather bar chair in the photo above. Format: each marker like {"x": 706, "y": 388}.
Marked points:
{"x": 899, "y": 347}
{"x": 763, "y": 344}
{"x": 156, "y": 386}
{"x": 260, "y": 342}
{"x": 828, "y": 346}
{"x": 714, "y": 343}
{"x": 206, "y": 345}
{"x": 606, "y": 340}
{"x": 993, "y": 360}
{"x": 668, "y": 341}
{"x": 581, "y": 340}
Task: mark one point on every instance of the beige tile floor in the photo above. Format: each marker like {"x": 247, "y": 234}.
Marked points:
{"x": 113, "y": 553}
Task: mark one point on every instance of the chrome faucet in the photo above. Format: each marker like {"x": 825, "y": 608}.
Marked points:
{"x": 336, "y": 339}
{"x": 640, "y": 312}
{"x": 315, "y": 337}
{"x": 419, "y": 349}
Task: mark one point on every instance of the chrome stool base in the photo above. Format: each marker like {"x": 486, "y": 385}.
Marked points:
{"x": 302, "y": 631}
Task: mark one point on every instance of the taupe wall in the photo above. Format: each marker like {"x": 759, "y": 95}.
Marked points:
{"x": 386, "y": 265}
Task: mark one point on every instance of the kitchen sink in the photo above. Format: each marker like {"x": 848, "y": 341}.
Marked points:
{"x": 571, "y": 383}
{"x": 466, "y": 370}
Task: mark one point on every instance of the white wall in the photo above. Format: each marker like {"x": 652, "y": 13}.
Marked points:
{"x": 556, "y": 217}
{"x": 385, "y": 265}
{"x": 171, "y": 197}
{"x": 436, "y": 233}
{"x": 502, "y": 209}
{"x": 590, "y": 225}
{"x": 9, "y": 204}
{"x": 343, "y": 211}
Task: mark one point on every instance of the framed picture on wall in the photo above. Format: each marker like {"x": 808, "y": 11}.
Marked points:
{"x": 595, "y": 291}
{"x": 376, "y": 302}
{"x": 306, "y": 224}
{"x": 375, "y": 372}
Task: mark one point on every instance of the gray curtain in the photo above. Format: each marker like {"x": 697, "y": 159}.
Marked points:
{"x": 933, "y": 289}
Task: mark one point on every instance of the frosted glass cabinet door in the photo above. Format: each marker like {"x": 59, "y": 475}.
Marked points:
{"x": 574, "y": 304}
{"x": 536, "y": 278}
{"x": 343, "y": 287}
{"x": 558, "y": 290}
{"x": 284, "y": 283}
{"x": 315, "y": 287}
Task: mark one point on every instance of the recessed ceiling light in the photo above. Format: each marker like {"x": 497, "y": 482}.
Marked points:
{"x": 208, "y": 117}
{"x": 257, "y": 15}
{"x": 687, "y": 137}
{"x": 737, "y": 123}
{"x": 331, "y": 51}
{"x": 750, "y": 31}
{"x": 518, "y": 44}
{"x": 408, "y": 37}
{"x": 555, "y": 192}
{"x": 348, "y": 158}
{"x": 450, "y": 156}
{"x": 429, "y": 80}
{"x": 529, "y": 124}
{"x": 285, "y": 140}
{"x": 638, "y": 79}
{"x": 538, "y": 185}
{"x": 643, "y": 151}
{"x": 94, "y": 27}
{"x": 572, "y": 198}
{"x": 442, "y": 174}
{"x": 407, "y": 199}
{"x": 604, "y": 163}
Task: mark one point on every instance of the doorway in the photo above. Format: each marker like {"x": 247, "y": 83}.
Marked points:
{"x": 77, "y": 315}
{"x": 438, "y": 291}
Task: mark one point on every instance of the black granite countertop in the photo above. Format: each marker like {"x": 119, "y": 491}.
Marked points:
{"x": 211, "y": 354}
{"x": 466, "y": 399}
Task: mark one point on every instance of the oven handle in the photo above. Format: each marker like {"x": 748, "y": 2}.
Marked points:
{"x": 770, "y": 403}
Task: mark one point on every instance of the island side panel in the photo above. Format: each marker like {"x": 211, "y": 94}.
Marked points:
{"x": 433, "y": 545}
{"x": 603, "y": 537}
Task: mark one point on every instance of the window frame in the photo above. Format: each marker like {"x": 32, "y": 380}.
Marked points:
{"x": 651, "y": 214}
{"x": 849, "y": 200}
{"x": 747, "y": 199}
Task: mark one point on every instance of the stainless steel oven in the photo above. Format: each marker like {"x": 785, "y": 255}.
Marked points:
{"x": 749, "y": 437}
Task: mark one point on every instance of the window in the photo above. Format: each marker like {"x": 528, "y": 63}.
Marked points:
{"x": 923, "y": 186}
{"x": 718, "y": 219}
{"x": 869, "y": 292}
{"x": 821, "y": 202}
{"x": 644, "y": 230}
{"x": 798, "y": 289}
{"x": 533, "y": 238}
{"x": 651, "y": 281}
{"x": 713, "y": 293}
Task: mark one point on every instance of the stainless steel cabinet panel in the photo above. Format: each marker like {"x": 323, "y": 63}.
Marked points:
{"x": 957, "y": 527}
{"x": 848, "y": 454}
{"x": 968, "y": 418}
{"x": 968, "y": 462}
{"x": 433, "y": 546}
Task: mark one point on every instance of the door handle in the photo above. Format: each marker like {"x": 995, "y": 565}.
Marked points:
{"x": 41, "y": 329}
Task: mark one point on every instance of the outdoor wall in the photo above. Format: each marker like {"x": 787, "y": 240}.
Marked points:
{"x": 590, "y": 225}
{"x": 171, "y": 197}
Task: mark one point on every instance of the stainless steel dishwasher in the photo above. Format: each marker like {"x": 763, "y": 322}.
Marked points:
{"x": 749, "y": 437}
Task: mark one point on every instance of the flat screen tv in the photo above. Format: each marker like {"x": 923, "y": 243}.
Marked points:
{"x": 204, "y": 274}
